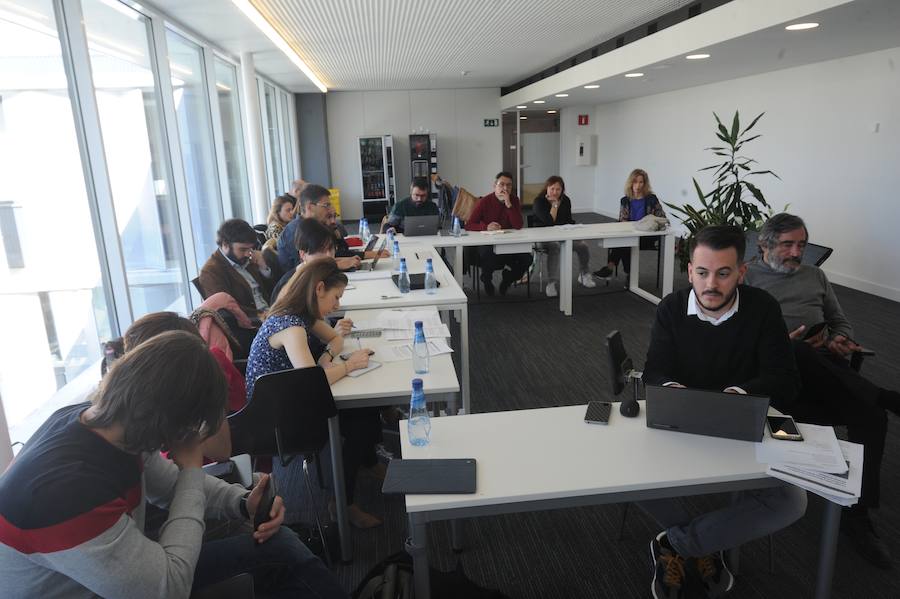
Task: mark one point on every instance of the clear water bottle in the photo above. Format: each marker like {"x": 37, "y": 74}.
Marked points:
{"x": 395, "y": 254}
{"x": 456, "y": 229}
{"x": 390, "y": 235}
{"x": 430, "y": 281}
{"x": 364, "y": 230}
{"x": 420, "y": 357}
{"x": 403, "y": 279}
{"x": 418, "y": 426}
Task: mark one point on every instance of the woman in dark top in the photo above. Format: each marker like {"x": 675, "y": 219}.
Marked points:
{"x": 638, "y": 202}
{"x": 295, "y": 322}
{"x": 553, "y": 207}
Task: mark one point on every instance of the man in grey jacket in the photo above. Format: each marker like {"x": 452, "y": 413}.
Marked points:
{"x": 72, "y": 502}
{"x": 832, "y": 392}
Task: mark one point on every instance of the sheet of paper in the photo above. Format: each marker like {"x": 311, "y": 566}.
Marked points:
{"x": 372, "y": 366}
{"x": 369, "y": 275}
{"x": 431, "y": 332}
{"x": 843, "y": 489}
{"x": 819, "y": 450}
{"x": 398, "y": 353}
{"x": 571, "y": 226}
{"x": 405, "y": 319}
{"x": 497, "y": 232}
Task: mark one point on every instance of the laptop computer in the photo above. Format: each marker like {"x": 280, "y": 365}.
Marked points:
{"x": 710, "y": 413}
{"x": 367, "y": 265}
{"x": 372, "y": 240}
{"x": 414, "y": 226}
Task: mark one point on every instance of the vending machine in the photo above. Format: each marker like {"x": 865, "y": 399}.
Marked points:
{"x": 423, "y": 158}
{"x": 376, "y": 158}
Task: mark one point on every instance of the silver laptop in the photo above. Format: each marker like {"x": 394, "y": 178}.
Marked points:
{"x": 710, "y": 413}
{"x": 414, "y": 226}
{"x": 370, "y": 265}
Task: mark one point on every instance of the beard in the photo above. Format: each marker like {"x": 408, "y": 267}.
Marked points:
{"x": 782, "y": 265}
{"x": 235, "y": 259}
{"x": 712, "y": 295}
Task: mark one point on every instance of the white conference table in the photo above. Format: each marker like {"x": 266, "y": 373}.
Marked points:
{"x": 609, "y": 235}
{"x": 578, "y": 464}
{"x": 381, "y": 293}
{"x": 389, "y": 385}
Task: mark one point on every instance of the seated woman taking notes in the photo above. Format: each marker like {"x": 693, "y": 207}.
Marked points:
{"x": 294, "y": 325}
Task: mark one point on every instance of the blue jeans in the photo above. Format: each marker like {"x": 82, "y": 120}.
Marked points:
{"x": 281, "y": 567}
{"x": 755, "y": 514}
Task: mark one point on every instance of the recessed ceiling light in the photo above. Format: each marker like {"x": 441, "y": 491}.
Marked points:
{"x": 520, "y": 107}
{"x": 697, "y": 56}
{"x": 551, "y": 112}
{"x": 562, "y": 95}
{"x": 539, "y": 102}
{"x": 593, "y": 86}
{"x": 523, "y": 118}
{"x": 801, "y": 26}
{"x": 634, "y": 74}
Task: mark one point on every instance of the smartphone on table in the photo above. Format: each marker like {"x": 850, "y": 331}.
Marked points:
{"x": 264, "y": 508}
{"x": 598, "y": 412}
{"x": 783, "y": 428}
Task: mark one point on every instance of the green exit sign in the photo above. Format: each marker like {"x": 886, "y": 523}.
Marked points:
{"x": 491, "y": 122}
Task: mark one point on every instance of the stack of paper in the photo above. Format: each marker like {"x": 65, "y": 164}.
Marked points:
{"x": 399, "y": 326}
{"x": 820, "y": 463}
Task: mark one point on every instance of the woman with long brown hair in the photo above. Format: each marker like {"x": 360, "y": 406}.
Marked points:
{"x": 280, "y": 215}
{"x": 289, "y": 339}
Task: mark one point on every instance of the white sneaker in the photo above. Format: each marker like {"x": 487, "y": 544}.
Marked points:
{"x": 551, "y": 290}
{"x": 587, "y": 279}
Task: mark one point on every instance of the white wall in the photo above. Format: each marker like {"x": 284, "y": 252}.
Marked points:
{"x": 580, "y": 180}
{"x": 469, "y": 154}
{"x": 819, "y": 135}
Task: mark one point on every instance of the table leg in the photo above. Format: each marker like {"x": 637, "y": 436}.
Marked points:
{"x": 668, "y": 264}
{"x": 565, "y": 277}
{"x": 633, "y": 278}
{"x": 457, "y": 535}
{"x": 340, "y": 491}
{"x": 417, "y": 548}
{"x": 831, "y": 519}
{"x": 464, "y": 358}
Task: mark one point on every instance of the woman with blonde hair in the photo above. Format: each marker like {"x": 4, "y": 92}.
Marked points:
{"x": 638, "y": 201}
{"x": 280, "y": 215}
{"x": 289, "y": 339}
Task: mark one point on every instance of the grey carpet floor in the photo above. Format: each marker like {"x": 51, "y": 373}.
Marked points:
{"x": 526, "y": 354}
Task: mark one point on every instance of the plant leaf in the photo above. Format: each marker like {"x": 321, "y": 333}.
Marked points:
{"x": 735, "y": 127}
{"x": 753, "y": 122}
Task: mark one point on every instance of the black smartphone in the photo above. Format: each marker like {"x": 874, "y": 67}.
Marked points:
{"x": 264, "y": 508}
{"x": 814, "y": 330}
{"x": 783, "y": 428}
{"x": 598, "y": 412}
{"x": 347, "y": 355}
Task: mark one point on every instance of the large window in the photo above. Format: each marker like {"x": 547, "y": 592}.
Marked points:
{"x": 233, "y": 139}
{"x": 284, "y": 105}
{"x": 196, "y": 142}
{"x": 273, "y": 143}
{"x": 131, "y": 122}
{"x": 51, "y": 292}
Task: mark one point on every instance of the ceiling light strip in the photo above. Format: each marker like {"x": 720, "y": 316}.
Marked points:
{"x": 263, "y": 25}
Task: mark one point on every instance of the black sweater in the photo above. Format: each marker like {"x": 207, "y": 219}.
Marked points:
{"x": 542, "y": 217}
{"x": 750, "y": 350}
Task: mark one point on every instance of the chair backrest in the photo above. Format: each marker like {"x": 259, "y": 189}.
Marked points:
{"x": 751, "y": 249}
{"x": 619, "y": 362}
{"x": 196, "y": 283}
{"x": 287, "y": 415}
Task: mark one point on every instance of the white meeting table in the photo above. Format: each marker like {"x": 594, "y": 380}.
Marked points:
{"x": 388, "y": 385}
{"x": 609, "y": 235}
{"x": 381, "y": 293}
{"x": 578, "y": 464}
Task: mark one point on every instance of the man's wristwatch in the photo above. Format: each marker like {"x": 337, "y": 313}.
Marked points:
{"x": 330, "y": 353}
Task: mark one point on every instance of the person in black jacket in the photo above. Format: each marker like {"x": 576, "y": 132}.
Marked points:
{"x": 553, "y": 207}
{"x": 721, "y": 335}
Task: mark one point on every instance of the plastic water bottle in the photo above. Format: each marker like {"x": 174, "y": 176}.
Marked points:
{"x": 456, "y": 229}
{"x": 421, "y": 360}
{"x": 390, "y": 238}
{"x": 395, "y": 254}
{"x": 403, "y": 279}
{"x": 364, "y": 233}
{"x": 419, "y": 424}
{"x": 430, "y": 281}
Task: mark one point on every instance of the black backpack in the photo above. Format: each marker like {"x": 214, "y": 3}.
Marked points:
{"x": 392, "y": 578}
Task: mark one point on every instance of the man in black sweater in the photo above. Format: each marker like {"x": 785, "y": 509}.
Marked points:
{"x": 724, "y": 336}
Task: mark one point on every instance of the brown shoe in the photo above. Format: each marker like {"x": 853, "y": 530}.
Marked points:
{"x": 360, "y": 519}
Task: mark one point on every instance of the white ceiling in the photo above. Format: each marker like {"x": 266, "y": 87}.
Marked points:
{"x": 845, "y": 30}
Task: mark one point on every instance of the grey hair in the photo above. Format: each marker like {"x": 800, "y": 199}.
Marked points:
{"x": 773, "y": 228}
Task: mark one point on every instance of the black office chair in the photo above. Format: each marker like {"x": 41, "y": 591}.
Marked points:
{"x": 286, "y": 417}
{"x": 236, "y": 587}
{"x": 260, "y": 234}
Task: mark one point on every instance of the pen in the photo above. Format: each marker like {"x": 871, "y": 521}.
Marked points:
{"x": 417, "y": 255}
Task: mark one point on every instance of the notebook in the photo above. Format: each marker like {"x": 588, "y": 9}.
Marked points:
{"x": 426, "y": 477}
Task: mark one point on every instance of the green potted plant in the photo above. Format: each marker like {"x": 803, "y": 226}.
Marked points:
{"x": 726, "y": 204}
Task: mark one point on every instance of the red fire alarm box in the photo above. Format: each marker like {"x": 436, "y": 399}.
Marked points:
{"x": 583, "y": 119}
